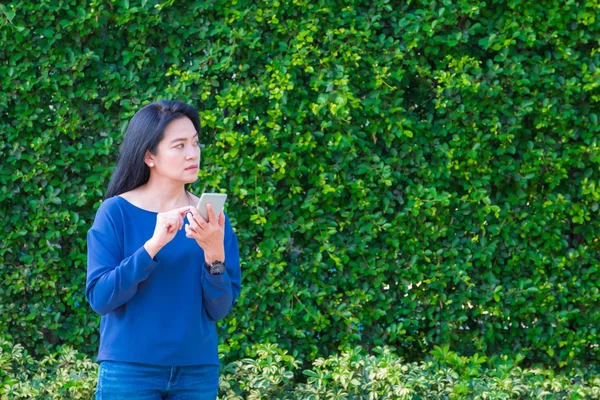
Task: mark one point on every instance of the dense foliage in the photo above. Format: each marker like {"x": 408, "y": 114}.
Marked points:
{"x": 269, "y": 373}
{"x": 399, "y": 173}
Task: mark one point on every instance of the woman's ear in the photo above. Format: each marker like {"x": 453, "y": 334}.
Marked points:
{"x": 149, "y": 159}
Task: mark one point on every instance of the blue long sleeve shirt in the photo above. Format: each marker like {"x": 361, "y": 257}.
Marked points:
{"x": 160, "y": 310}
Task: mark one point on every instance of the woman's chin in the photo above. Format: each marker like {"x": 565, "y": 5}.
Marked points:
{"x": 190, "y": 180}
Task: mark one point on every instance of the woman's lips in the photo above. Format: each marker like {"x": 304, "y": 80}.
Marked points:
{"x": 191, "y": 168}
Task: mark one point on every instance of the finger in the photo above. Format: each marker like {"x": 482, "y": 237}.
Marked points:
{"x": 167, "y": 222}
{"x": 174, "y": 224}
{"x": 199, "y": 219}
{"x": 211, "y": 213}
{"x": 182, "y": 211}
{"x": 189, "y": 231}
{"x": 169, "y": 225}
{"x": 222, "y": 219}
{"x": 190, "y": 218}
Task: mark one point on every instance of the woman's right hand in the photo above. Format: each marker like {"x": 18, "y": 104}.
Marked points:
{"x": 167, "y": 225}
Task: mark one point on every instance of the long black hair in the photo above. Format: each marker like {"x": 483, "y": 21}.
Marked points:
{"x": 145, "y": 131}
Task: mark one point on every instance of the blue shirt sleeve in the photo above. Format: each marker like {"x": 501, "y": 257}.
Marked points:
{"x": 112, "y": 280}
{"x": 220, "y": 292}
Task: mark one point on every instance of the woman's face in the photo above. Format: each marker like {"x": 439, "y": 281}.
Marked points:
{"x": 178, "y": 154}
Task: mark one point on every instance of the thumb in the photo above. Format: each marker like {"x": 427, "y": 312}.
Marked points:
{"x": 222, "y": 219}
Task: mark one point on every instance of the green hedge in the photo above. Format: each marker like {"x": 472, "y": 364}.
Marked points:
{"x": 270, "y": 373}
{"x": 400, "y": 173}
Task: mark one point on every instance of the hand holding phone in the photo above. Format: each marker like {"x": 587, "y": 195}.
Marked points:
{"x": 208, "y": 235}
{"x": 217, "y": 200}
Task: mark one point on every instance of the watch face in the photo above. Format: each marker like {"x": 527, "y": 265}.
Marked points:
{"x": 217, "y": 268}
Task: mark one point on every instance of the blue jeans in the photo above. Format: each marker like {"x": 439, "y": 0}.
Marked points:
{"x": 131, "y": 381}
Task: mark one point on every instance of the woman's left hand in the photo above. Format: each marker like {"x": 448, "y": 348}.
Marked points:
{"x": 209, "y": 234}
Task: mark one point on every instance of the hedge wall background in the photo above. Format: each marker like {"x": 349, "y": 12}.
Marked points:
{"x": 401, "y": 173}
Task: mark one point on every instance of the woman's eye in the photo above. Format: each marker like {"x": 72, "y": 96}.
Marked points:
{"x": 179, "y": 146}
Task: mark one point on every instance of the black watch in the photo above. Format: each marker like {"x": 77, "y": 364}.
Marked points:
{"x": 215, "y": 268}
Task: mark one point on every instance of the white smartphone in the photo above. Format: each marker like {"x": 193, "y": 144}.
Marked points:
{"x": 217, "y": 200}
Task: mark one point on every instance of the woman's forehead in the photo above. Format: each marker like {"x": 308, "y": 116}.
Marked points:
{"x": 180, "y": 128}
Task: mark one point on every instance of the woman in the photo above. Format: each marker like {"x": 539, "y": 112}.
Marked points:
{"x": 158, "y": 273}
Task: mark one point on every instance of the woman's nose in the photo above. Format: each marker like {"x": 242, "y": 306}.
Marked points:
{"x": 193, "y": 153}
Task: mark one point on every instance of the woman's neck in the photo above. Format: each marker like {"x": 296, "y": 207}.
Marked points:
{"x": 163, "y": 196}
